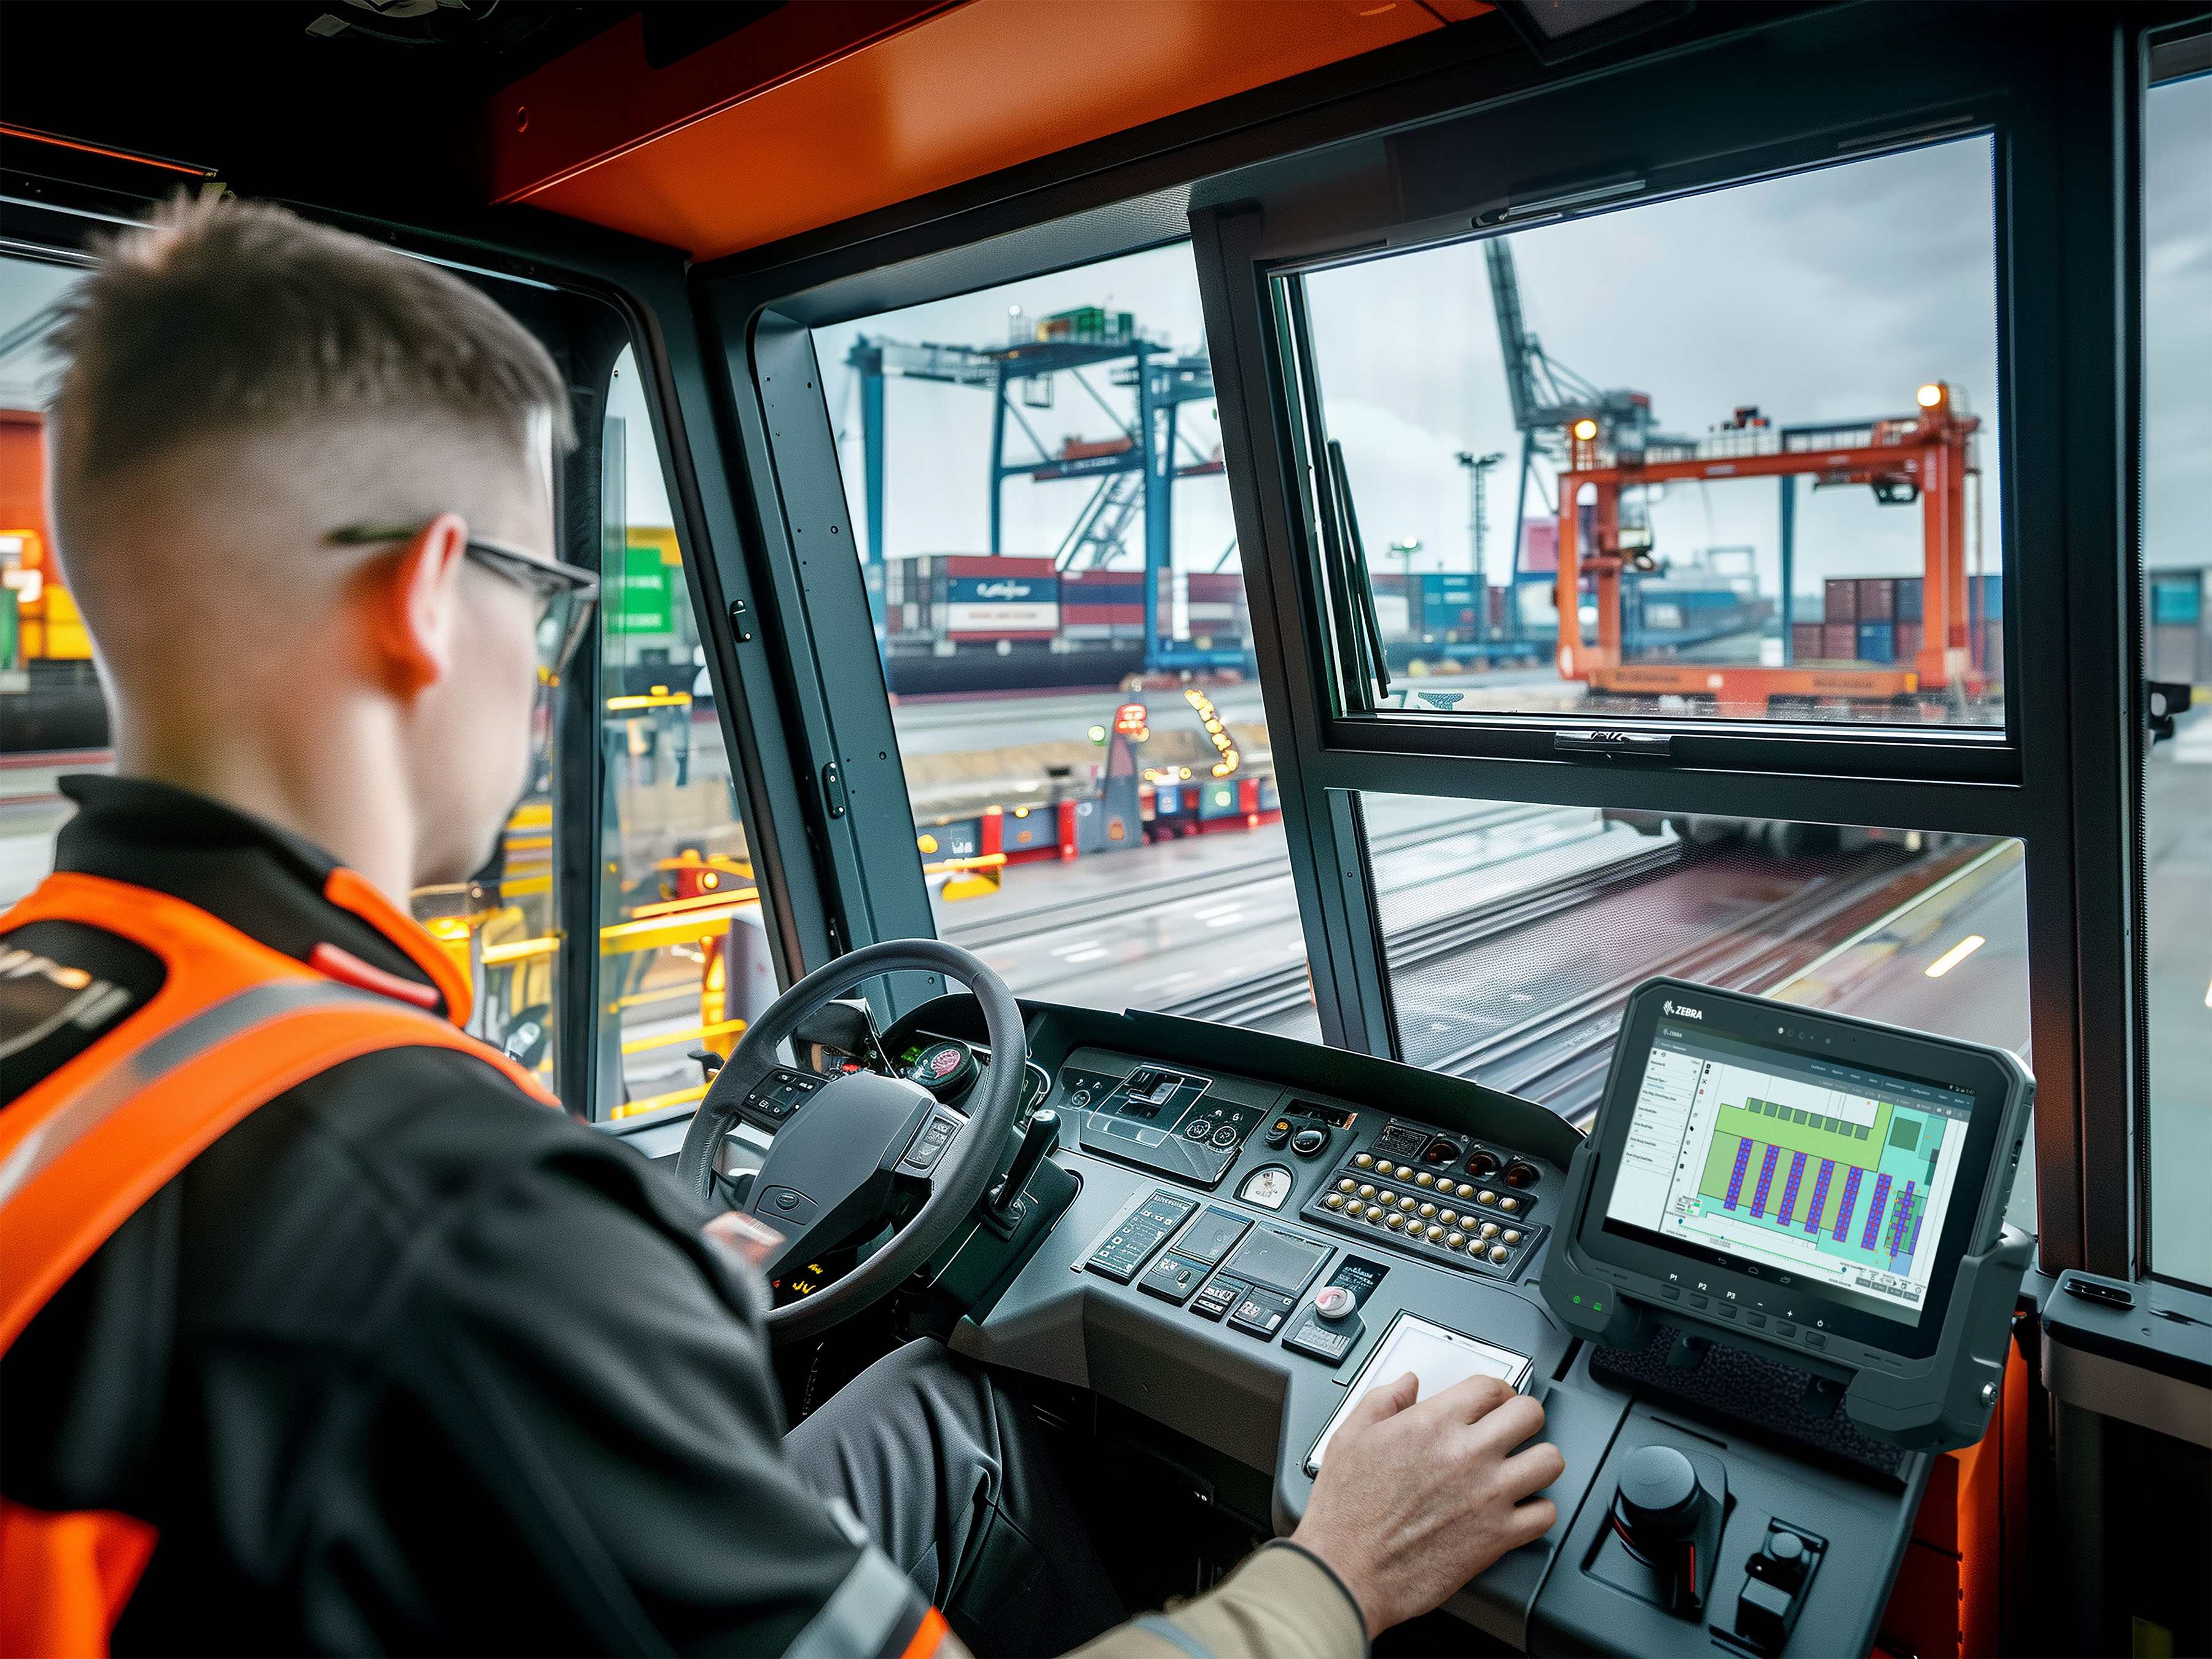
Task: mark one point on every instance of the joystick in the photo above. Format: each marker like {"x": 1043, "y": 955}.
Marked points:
{"x": 1668, "y": 1515}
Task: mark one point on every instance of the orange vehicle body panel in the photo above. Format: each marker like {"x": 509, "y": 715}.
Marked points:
{"x": 1966, "y": 1562}
{"x": 712, "y": 156}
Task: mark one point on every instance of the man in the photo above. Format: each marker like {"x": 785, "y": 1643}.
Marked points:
{"x": 397, "y": 1357}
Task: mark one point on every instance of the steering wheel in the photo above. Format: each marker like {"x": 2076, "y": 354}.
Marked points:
{"x": 835, "y": 1164}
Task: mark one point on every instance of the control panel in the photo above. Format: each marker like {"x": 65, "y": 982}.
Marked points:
{"x": 1223, "y": 1266}
{"x": 1243, "y": 1259}
{"x": 1445, "y": 1196}
{"x": 1178, "y": 1122}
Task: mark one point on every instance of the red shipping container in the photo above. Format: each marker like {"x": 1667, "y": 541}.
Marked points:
{"x": 1908, "y": 643}
{"x": 1539, "y": 545}
{"x": 1840, "y": 642}
{"x": 987, "y": 564}
{"x": 1805, "y": 641}
{"x": 1843, "y": 601}
{"x": 1221, "y": 588}
{"x": 1877, "y": 598}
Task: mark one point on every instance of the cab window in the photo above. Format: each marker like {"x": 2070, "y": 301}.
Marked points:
{"x": 1059, "y": 603}
{"x": 684, "y": 959}
{"x": 2177, "y": 648}
{"x": 1720, "y": 457}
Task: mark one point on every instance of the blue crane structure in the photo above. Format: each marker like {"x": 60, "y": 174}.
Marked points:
{"x": 1135, "y": 473}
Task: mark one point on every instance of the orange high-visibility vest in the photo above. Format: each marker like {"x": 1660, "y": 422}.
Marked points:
{"x": 233, "y": 1025}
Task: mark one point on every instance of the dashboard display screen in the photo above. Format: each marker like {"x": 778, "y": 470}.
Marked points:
{"x": 1806, "y": 1171}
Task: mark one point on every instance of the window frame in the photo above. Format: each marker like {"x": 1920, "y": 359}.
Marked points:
{"x": 2063, "y": 100}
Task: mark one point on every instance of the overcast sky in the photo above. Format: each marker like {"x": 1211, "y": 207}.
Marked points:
{"x": 2177, "y": 325}
{"x": 1829, "y": 296}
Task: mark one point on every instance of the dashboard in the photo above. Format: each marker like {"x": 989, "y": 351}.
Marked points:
{"x": 1256, "y": 1220}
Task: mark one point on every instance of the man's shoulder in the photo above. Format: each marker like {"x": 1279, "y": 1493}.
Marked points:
{"x": 428, "y": 1127}
{"x": 408, "y": 1164}
{"x": 65, "y": 985}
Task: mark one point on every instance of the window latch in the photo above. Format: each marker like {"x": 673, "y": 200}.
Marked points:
{"x": 2162, "y": 700}
{"x": 1603, "y": 746}
{"x": 832, "y": 790}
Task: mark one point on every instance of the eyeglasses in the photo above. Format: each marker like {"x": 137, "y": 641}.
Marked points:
{"x": 564, "y": 594}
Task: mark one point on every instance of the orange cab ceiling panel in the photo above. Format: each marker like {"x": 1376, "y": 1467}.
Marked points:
{"x": 964, "y": 92}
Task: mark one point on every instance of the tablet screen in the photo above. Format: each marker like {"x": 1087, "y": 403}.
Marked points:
{"x": 1439, "y": 1358}
{"x": 1820, "y": 1173}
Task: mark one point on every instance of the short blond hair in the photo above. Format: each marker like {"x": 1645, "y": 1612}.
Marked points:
{"x": 221, "y": 316}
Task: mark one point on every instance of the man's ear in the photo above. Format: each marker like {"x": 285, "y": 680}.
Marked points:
{"x": 415, "y": 600}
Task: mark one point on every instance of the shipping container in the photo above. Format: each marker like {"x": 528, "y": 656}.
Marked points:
{"x": 1840, "y": 642}
{"x": 1909, "y": 598}
{"x": 1877, "y": 600}
{"x": 1805, "y": 641}
{"x": 1843, "y": 600}
{"x": 1877, "y": 641}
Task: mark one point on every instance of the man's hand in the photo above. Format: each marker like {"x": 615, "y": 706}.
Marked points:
{"x": 1415, "y": 1499}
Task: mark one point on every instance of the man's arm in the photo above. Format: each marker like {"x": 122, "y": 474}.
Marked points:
{"x": 597, "y": 1370}
{"x": 1415, "y": 1500}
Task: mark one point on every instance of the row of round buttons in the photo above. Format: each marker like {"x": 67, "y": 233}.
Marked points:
{"x": 1367, "y": 1189}
{"x": 1438, "y": 1231}
{"x": 1383, "y": 1168}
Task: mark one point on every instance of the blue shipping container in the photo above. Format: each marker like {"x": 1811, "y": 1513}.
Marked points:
{"x": 1877, "y": 641}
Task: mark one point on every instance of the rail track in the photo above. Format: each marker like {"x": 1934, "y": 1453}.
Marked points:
{"x": 1557, "y": 1054}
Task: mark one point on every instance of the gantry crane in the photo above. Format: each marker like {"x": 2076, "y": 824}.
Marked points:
{"x": 1926, "y": 454}
{"x": 1135, "y": 471}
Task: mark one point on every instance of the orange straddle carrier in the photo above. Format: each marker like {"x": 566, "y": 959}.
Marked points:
{"x": 235, "y": 1024}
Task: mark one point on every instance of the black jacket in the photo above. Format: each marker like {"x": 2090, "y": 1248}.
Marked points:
{"x": 406, "y": 1361}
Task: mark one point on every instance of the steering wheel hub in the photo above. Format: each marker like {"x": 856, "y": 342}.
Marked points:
{"x": 838, "y": 1167}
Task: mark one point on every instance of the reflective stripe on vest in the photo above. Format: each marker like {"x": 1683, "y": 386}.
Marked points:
{"x": 233, "y": 1025}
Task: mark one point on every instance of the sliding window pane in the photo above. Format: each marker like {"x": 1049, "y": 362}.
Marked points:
{"x": 2178, "y": 651}
{"x": 684, "y": 959}
{"x": 1755, "y": 425}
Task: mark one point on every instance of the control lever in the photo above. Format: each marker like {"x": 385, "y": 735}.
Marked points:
{"x": 1002, "y": 1209}
{"x": 709, "y": 1062}
{"x": 1774, "y": 1583}
{"x": 1669, "y": 1519}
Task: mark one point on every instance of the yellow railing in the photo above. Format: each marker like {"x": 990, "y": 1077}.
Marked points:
{"x": 655, "y": 933}
{"x": 654, "y": 1102}
{"x": 697, "y": 1034}
{"x": 523, "y": 949}
{"x": 663, "y": 700}
{"x": 701, "y": 901}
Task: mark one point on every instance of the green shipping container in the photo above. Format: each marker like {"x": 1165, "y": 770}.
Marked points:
{"x": 644, "y": 599}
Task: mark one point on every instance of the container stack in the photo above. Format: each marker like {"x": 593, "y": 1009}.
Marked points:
{"x": 1218, "y": 621}
{"x": 1101, "y": 607}
{"x": 1878, "y": 619}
